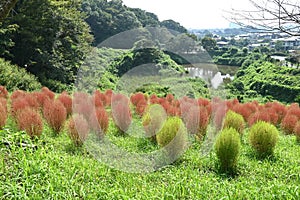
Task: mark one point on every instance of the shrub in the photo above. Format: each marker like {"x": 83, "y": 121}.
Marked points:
{"x": 263, "y": 137}
{"x": 121, "y": 112}
{"x": 288, "y": 123}
{"x": 3, "y": 92}
{"x": 234, "y": 120}
{"x": 48, "y": 93}
{"x": 66, "y": 100}
{"x": 259, "y": 116}
{"x": 16, "y": 94}
{"x": 83, "y": 104}
{"x": 197, "y": 121}
{"x": 227, "y": 149}
{"x": 173, "y": 137}
{"x": 78, "y": 129}
{"x": 14, "y": 77}
{"x": 136, "y": 98}
{"x": 41, "y": 98}
{"x": 153, "y": 120}
{"x": 55, "y": 114}
{"x": 3, "y": 115}
{"x": 140, "y": 107}
{"x": 30, "y": 121}
{"x": 297, "y": 131}
{"x": 17, "y": 105}
{"x": 99, "y": 121}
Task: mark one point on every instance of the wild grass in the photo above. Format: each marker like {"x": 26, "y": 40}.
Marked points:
{"x": 52, "y": 167}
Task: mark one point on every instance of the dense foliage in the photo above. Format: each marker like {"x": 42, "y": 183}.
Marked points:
{"x": 264, "y": 79}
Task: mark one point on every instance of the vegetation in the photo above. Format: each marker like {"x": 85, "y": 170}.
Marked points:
{"x": 227, "y": 148}
{"x": 234, "y": 120}
{"x": 263, "y": 138}
{"x": 24, "y": 155}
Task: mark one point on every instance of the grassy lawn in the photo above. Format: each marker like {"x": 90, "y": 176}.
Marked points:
{"x": 56, "y": 169}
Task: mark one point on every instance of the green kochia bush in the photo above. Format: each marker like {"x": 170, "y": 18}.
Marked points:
{"x": 227, "y": 148}
{"x": 263, "y": 137}
{"x": 173, "y": 137}
{"x": 234, "y": 120}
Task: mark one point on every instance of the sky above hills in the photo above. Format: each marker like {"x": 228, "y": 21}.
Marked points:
{"x": 191, "y": 13}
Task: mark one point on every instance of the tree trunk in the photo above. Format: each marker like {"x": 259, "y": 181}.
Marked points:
{"x": 5, "y": 7}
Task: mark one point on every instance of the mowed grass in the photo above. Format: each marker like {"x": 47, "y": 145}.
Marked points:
{"x": 56, "y": 169}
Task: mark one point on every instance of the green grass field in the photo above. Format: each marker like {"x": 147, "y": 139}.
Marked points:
{"x": 56, "y": 169}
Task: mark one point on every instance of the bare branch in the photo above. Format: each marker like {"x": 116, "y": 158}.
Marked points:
{"x": 269, "y": 16}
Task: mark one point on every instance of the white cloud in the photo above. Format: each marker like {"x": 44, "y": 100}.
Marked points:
{"x": 190, "y": 13}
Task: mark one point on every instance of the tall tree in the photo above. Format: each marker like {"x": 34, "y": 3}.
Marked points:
{"x": 52, "y": 39}
{"x": 108, "y": 18}
{"x": 171, "y": 24}
{"x": 270, "y": 15}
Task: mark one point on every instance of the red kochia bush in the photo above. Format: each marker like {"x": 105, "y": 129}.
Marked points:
{"x": 66, "y": 100}
{"x": 99, "y": 121}
{"x": 121, "y": 111}
{"x": 30, "y": 121}
{"x": 78, "y": 129}
{"x": 297, "y": 131}
{"x": 55, "y": 114}
{"x": 83, "y": 104}
{"x": 3, "y": 102}
{"x": 40, "y": 97}
{"x": 259, "y": 116}
{"x": 288, "y": 123}
{"x": 197, "y": 121}
{"x": 48, "y": 92}
{"x": 17, "y": 105}
{"x": 137, "y": 97}
{"x": 3, "y": 115}
{"x": 16, "y": 94}
{"x": 3, "y": 92}
{"x": 100, "y": 99}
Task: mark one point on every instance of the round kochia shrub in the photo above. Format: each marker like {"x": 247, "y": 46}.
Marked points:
{"x": 153, "y": 120}
{"x": 78, "y": 129}
{"x": 173, "y": 137}
{"x": 3, "y": 115}
{"x": 227, "y": 148}
{"x": 55, "y": 114}
{"x": 263, "y": 137}
{"x": 234, "y": 120}
{"x": 30, "y": 121}
{"x": 297, "y": 131}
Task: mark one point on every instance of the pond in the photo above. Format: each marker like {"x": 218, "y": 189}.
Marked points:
{"x": 212, "y": 72}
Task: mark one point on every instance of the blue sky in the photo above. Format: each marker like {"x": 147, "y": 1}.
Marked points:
{"x": 191, "y": 13}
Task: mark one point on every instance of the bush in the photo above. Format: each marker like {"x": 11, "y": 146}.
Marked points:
{"x": 3, "y": 115}
{"x": 78, "y": 129}
{"x": 227, "y": 148}
{"x": 297, "y": 131}
{"x": 288, "y": 123}
{"x": 14, "y": 77}
{"x": 66, "y": 100}
{"x": 99, "y": 121}
{"x": 55, "y": 114}
{"x": 30, "y": 121}
{"x": 121, "y": 112}
{"x": 173, "y": 137}
{"x": 197, "y": 121}
{"x": 234, "y": 120}
{"x": 3, "y": 92}
{"x": 153, "y": 120}
{"x": 259, "y": 116}
{"x": 263, "y": 137}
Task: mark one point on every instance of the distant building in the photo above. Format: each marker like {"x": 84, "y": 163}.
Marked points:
{"x": 289, "y": 43}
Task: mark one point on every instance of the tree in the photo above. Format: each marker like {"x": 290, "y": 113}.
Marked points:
{"x": 108, "y": 18}
{"x": 5, "y": 7}
{"x": 52, "y": 39}
{"x": 270, "y": 16}
{"x": 170, "y": 24}
{"x": 208, "y": 43}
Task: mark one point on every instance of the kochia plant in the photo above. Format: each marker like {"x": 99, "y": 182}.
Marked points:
{"x": 78, "y": 129}
{"x": 234, "y": 120}
{"x": 263, "y": 137}
{"x": 55, "y": 114}
{"x": 227, "y": 148}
